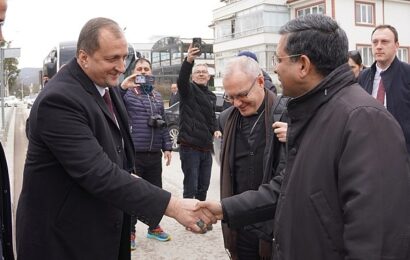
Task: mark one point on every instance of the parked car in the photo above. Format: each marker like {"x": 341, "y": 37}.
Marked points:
{"x": 26, "y": 99}
{"x": 172, "y": 117}
{"x": 10, "y": 101}
{"x": 30, "y": 101}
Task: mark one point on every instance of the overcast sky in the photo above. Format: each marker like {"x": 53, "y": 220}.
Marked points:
{"x": 36, "y": 26}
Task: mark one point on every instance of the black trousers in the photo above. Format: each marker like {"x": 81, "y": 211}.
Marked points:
{"x": 148, "y": 166}
{"x": 247, "y": 245}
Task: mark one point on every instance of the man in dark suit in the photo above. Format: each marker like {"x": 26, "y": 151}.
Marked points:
{"x": 174, "y": 98}
{"x": 388, "y": 79}
{"x": 78, "y": 193}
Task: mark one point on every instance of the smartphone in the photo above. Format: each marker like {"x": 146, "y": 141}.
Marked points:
{"x": 197, "y": 43}
{"x": 144, "y": 79}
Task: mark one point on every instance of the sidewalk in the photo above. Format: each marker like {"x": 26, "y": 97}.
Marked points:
{"x": 184, "y": 244}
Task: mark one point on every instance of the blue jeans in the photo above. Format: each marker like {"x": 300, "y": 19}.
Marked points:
{"x": 197, "y": 167}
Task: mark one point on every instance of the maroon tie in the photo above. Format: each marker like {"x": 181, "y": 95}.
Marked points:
{"x": 381, "y": 92}
{"x": 108, "y": 101}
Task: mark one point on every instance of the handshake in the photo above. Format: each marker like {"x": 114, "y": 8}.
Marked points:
{"x": 193, "y": 214}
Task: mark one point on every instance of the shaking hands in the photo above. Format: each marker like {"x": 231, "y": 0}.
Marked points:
{"x": 193, "y": 214}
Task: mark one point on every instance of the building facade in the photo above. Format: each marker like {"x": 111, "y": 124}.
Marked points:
{"x": 251, "y": 25}
{"x": 254, "y": 24}
{"x": 359, "y": 18}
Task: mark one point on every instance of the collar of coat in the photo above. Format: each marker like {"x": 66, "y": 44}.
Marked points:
{"x": 307, "y": 104}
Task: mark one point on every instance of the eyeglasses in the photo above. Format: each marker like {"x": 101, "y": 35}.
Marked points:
{"x": 241, "y": 95}
{"x": 1, "y": 23}
{"x": 201, "y": 72}
{"x": 276, "y": 60}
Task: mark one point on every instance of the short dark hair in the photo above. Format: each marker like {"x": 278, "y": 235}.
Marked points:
{"x": 320, "y": 38}
{"x": 139, "y": 60}
{"x": 88, "y": 40}
{"x": 387, "y": 26}
{"x": 356, "y": 57}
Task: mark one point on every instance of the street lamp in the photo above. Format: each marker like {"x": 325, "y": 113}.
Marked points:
{"x": 22, "y": 87}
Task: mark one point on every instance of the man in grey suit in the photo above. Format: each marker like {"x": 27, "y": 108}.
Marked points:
{"x": 78, "y": 193}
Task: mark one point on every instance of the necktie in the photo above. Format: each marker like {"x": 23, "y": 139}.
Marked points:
{"x": 381, "y": 92}
{"x": 108, "y": 101}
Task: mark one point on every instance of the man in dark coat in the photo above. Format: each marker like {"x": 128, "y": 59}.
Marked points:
{"x": 6, "y": 237}
{"x": 78, "y": 193}
{"x": 388, "y": 79}
{"x": 197, "y": 126}
{"x": 345, "y": 190}
{"x": 174, "y": 97}
{"x": 247, "y": 133}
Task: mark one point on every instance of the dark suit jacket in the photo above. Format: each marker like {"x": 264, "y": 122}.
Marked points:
{"x": 396, "y": 81}
{"x": 173, "y": 98}
{"x": 75, "y": 189}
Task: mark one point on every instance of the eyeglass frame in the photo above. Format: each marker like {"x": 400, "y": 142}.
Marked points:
{"x": 241, "y": 95}
{"x": 201, "y": 72}
{"x": 276, "y": 59}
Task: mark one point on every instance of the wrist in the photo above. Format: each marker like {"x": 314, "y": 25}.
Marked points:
{"x": 122, "y": 87}
{"x": 171, "y": 210}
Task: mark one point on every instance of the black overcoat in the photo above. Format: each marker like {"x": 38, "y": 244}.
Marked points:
{"x": 77, "y": 191}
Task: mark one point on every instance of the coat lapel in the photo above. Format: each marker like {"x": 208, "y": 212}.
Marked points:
{"x": 90, "y": 87}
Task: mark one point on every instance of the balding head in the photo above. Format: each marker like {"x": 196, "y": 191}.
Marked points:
{"x": 174, "y": 88}
{"x": 244, "y": 85}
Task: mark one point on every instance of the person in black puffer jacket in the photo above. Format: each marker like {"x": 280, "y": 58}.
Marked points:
{"x": 197, "y": 126}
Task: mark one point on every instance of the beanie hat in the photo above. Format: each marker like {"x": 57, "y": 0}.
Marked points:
{"x": 248, "y": 54}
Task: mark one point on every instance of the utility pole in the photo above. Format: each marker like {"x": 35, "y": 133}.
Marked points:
{"x": 5, "y": 53}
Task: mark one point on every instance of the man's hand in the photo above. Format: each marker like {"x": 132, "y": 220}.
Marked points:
{"x": 167, "y": 157}
{"x": 214, "y": 207}
{"x": 186, "y": 212}
{"x": 192, "y": 53}
{"x": 217, "y": 134}
{"x": 280, "y": 129}
{"x": 129, "y": 82}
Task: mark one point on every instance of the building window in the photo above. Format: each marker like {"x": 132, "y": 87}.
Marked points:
{"x": 403, "y": 54}
{"x": 367, "y": 56}
{"x": 364, "y": 13}
{"x": 314, "y": 9}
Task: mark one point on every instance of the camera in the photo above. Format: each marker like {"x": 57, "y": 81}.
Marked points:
{"x": 197, "y": 43}
{"x": 144, "y": 79}
{"x": 156, "y": 121}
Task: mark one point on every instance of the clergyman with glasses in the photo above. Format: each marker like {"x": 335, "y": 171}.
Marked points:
{"x": 197, "y": 125}
{"x": 345, "y": 190}
{"x": 251, "y": 151}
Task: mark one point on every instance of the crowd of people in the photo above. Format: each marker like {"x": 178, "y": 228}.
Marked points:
{"x": 319, "y": 172}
